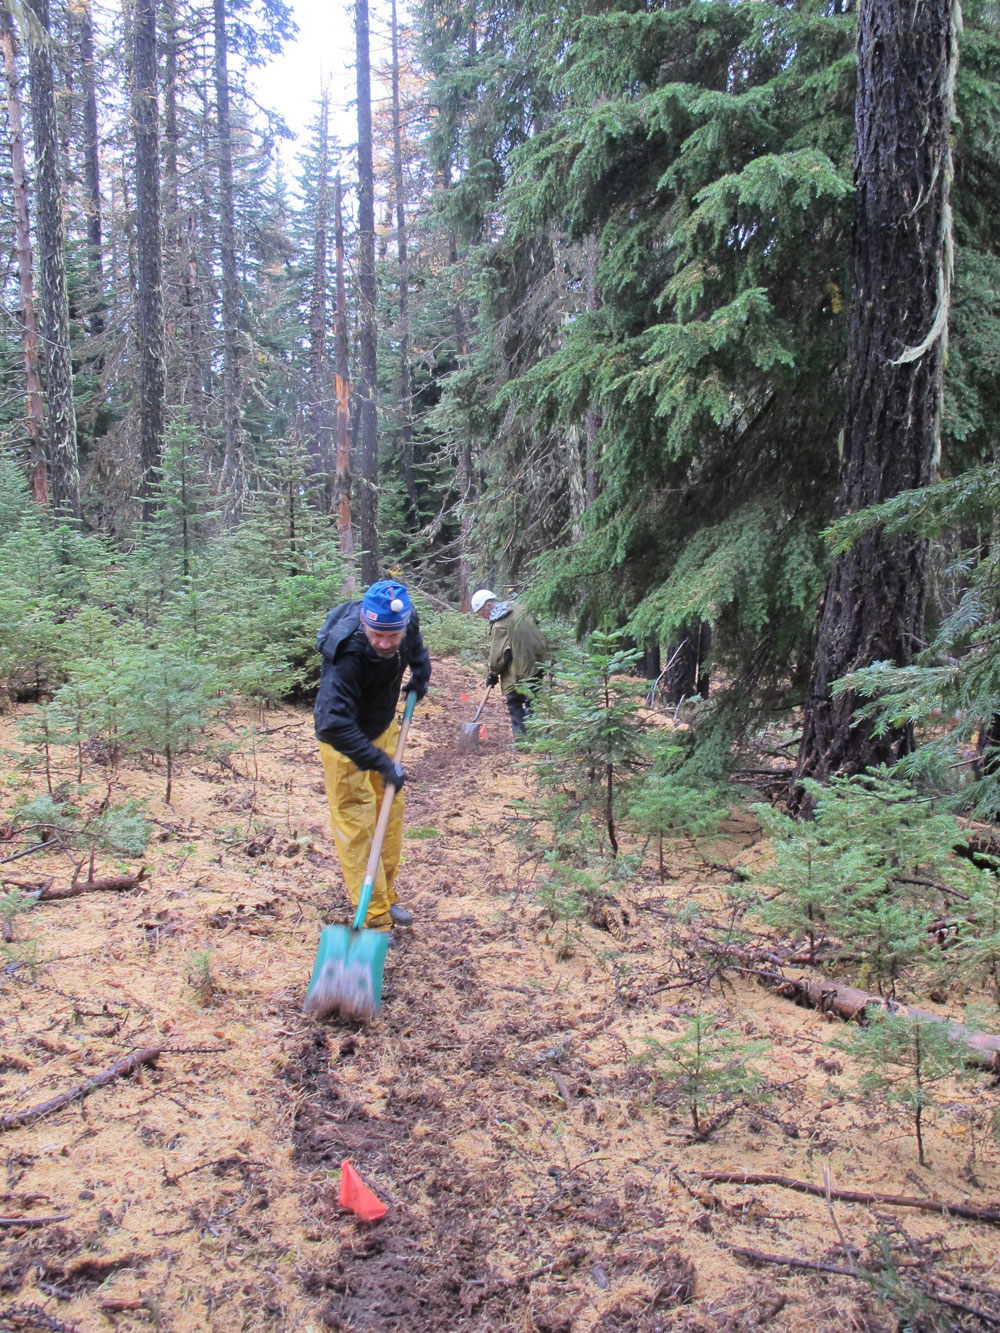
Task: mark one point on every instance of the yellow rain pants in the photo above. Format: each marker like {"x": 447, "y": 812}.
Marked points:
{"x": 355, "y": 797}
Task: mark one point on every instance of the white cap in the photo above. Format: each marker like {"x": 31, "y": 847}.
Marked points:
{"x": 480, "y": 598}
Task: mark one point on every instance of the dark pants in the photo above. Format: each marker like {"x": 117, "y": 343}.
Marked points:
{"x": 519, "y": 703}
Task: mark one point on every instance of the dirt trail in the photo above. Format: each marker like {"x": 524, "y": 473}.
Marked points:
{"x": 535, "y": 1178}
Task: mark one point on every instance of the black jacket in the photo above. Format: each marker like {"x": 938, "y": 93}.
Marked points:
{"x": 358, "y": 690}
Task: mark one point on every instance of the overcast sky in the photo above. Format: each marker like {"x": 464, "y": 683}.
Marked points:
{"x": 323, "y": 50}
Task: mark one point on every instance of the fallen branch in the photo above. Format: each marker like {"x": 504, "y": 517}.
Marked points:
{"x": 861, "y": 1275}
{"x": 148, "y": 1055}
{"x": 850, "y": 1003}
{"x": 113, "y": 883}
{"x": 38, "y": 847}
{"x": 32, "y": 1221}
{"x": 34, "y": 1316}
{"x": 855, "y": 1196}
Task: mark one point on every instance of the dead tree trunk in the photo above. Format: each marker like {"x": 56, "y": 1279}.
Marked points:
{"x": 368, "y": 388}
{"x": 232, "y": 477}
{"x": 318, "y": 435}
{"x": 29, "y": 330}
{"x": 405, "y": 378}
{"x": 149, "y": 297}
{"x": 342, "y": 479}
{"x": 63, "y": 464}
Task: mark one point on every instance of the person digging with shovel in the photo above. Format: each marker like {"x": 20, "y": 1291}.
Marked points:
{"x": 518, "y": 653}
{"x": 366, "y": 648}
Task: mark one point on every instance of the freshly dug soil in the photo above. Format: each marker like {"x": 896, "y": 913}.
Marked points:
{"x": 537, "y": 1176}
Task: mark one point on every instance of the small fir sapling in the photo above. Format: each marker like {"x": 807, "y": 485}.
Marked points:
{"x": 171, "y": 701}
{"x": 903, "y": 1059}
{"x": 667, "y": 806}
{"x": 590, "y": 737}
{"x": 704, "y": 1065}
{"x": 868, "y": 868}
{"x": 198, "y": 975}
{"x": 13, "y": 904}
{"x": 40, "y": 730}
{"x": 971, "y": 944}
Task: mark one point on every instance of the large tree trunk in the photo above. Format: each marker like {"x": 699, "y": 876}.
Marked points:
{"x": 405, "y": 378}
{"x": 26, "y": 287}
{"x": 63, "y": 465}
{"x": 342, "y": 476}
{"x": 91, "y": 165}
{"x": 232, "y": 479}
{"x": 592, "y": 419}
{"x": 318, "y": 435}
{"x": 874, "y": 604}
{"x": 367, "y": 389}
{"x": 149, "y": 298}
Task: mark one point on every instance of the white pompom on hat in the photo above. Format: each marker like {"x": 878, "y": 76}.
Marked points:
{"x": 481, "y": 597}
{"x": 386, "y": 605}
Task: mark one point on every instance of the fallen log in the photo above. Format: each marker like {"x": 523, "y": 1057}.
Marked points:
{"x": 113, "y": 884}
{"x": 147, "y": 1055}
{"x": 966, "y": 1210}
{"x": 851, "y": 1003}
{"x": 861, "y": 1275}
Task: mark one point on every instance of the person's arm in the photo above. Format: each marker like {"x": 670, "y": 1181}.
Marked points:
{"x": 337, "y": 712}
{"x": 501, "y": 652}
{"x": 418, "y": 660}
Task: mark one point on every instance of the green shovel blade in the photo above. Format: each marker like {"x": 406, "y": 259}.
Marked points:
{"x": 347, "y": 976}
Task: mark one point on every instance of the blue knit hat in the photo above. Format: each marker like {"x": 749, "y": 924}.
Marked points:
{"x": 386, "y": 605}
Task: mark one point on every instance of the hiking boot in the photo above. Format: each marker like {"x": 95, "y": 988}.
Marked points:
{"x": 400, "y": 916}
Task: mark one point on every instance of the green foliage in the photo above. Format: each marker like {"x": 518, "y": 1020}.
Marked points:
{"x": 170, "y": 703}
{"x": 704, "y": 1065}
{"x": 568, "y": 886}
{"x": 198, "y": 975}
{"x": 123, "y": 828}
{"x": 903, "y": 1059}
{"x": 13, "y": 904}
{"x": 49, "y": 816}
{"x": 590, "y": 741}
{"x": 451, "y": 633}
{"x": 869, "y": 868}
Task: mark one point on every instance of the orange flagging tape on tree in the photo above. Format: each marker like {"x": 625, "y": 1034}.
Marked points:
{"x": 356, "y": 1195}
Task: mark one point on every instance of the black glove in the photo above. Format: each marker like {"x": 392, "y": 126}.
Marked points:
{"x": 418, "y": 685}
{"x": 392, "y": 774}
{"x": 492, "y": 680}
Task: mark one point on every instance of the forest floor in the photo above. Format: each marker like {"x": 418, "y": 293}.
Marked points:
{"x": 536, "y": 1178}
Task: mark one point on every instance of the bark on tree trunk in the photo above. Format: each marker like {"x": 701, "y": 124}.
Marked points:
{"x": 874, "y": 604}
{"x": 63, "y": 464}
{"x": 319, "y": 441}
{"x": 149, "y": 297}
{"x": 686, "y": 673}
{"x": 405, "y": 378}
{"x": 592, "y": 421}
{"x": 232, "y": 479}
{"x": 91, "y": 164}
{"x": 35, "y": 419}
{"x": 342, "y": 480}
{"x": 367, "y": 389}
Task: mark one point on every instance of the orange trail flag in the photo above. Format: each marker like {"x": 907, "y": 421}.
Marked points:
{"x": 356, "y": 1195}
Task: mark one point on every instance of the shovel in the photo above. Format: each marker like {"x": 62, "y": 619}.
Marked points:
{"x": 468, "y": 741}
{"x": 347, "y": 976}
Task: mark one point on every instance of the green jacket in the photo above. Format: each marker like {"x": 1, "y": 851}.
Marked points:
{"x": 516, "y": 645}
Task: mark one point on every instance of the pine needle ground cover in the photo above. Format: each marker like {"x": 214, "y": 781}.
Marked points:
{"x": 522, "y": 1104}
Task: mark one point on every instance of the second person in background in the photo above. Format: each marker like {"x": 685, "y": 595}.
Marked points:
{"x": 518, "y": 653}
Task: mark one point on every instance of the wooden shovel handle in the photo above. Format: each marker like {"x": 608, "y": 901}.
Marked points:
{"x": 489, "y": 689}
{"x": 383, "y": 818}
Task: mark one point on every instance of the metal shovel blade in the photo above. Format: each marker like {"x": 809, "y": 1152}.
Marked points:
{"x": 347, "y": 977}
{"x": 468, "y": 740}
